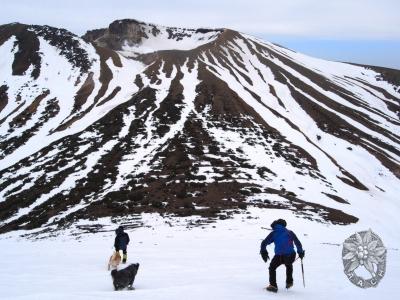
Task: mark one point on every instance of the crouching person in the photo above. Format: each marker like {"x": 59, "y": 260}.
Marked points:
{"x": 121, "y": 242}
{"x": 284, "y": 252}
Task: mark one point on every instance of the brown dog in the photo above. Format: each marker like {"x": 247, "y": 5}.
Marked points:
{"x": 114, "y": 261}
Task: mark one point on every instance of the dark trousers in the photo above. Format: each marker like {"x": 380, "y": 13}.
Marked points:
{"x": 278, "y": 260}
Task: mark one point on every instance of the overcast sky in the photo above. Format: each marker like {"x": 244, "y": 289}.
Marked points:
{"x": 365, "y": 31}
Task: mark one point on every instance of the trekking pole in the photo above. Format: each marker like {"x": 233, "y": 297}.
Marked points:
{"x": 302, "y": 272}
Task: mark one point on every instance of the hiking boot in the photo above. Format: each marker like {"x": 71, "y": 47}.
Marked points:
{"x": 289, "y": 285}
{"x": 272, "y": 288}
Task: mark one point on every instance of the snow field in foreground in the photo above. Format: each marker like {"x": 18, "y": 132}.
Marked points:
{"x": 200, "y": 263}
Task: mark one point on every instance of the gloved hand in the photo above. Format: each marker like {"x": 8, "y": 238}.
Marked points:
{"x": 301, "y": 254}
{"x": 264, "y": 255}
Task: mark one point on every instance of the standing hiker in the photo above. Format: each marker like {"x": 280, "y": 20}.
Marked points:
{"x": 284, "y": 252}
{"x": 121, "y": 242}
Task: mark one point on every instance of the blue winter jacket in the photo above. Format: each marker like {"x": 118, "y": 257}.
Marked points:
{"x": 283, "y": 239}
{"x": 121, "y": 240}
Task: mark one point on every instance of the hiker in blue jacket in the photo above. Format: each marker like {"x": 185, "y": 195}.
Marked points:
{"x": 121, "y": 242}
{"x": 284, "y": 252}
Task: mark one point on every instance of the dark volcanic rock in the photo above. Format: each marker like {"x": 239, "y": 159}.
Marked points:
{"x": 118, "y": 33}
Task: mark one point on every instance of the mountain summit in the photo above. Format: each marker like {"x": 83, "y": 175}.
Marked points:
{"x": 139, "y": 118}
{"x": 132, "y": 37}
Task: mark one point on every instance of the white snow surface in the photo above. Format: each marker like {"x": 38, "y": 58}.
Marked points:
{"x": 187, "y": 39}
{"x": 217, "y": 261}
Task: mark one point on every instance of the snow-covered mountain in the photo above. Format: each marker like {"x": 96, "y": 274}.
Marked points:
{"x": 143, "y": 118}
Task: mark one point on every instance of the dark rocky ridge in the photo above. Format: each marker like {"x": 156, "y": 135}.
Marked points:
{"x": 116, "y": 34}
{"x": 28, "y": 46}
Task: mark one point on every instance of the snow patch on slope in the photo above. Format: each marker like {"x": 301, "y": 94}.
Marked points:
{"x": 182, "y": 39}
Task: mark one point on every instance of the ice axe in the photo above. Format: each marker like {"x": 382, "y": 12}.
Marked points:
{"x": 302, "y": 272}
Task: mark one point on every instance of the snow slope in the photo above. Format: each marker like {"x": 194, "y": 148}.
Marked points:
{"x": 219, "y": 261}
